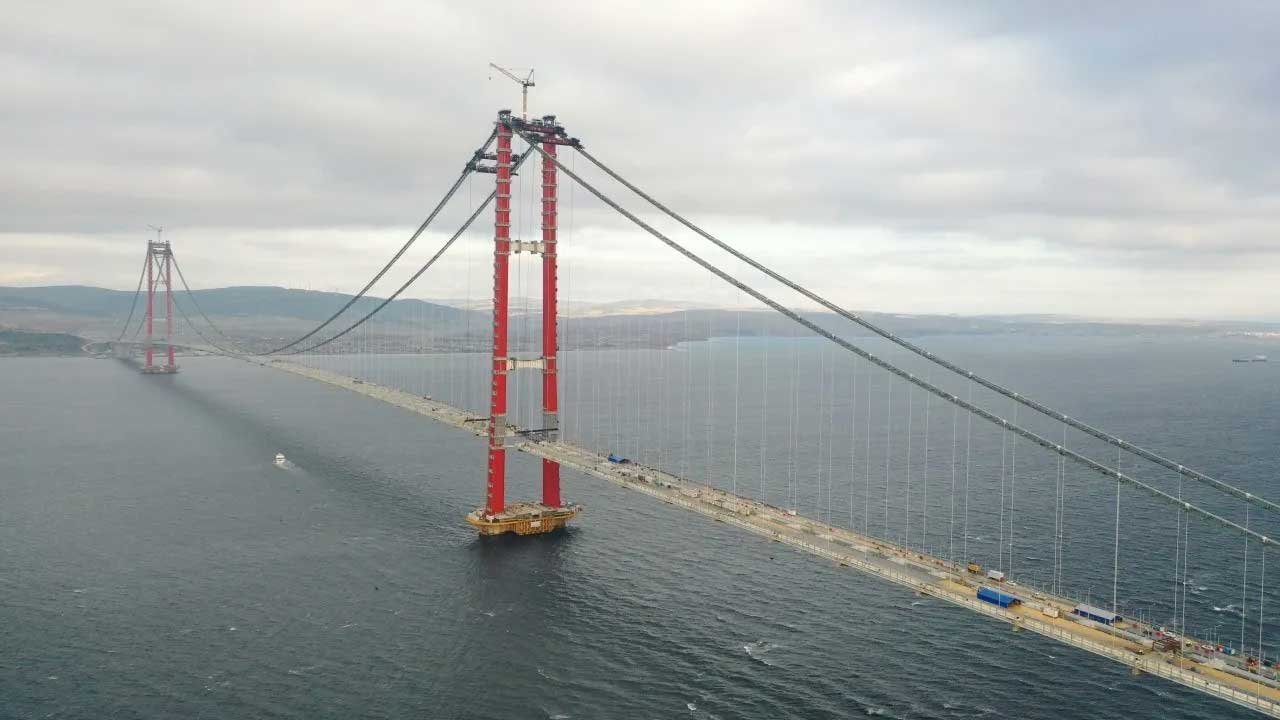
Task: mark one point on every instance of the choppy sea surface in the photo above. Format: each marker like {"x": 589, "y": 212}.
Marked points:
{"x": 154, "y": 563}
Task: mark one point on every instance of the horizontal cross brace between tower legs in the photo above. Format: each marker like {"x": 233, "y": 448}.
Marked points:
{"x": 533, "y": 247}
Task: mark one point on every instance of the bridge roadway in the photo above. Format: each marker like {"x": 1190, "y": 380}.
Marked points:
{"x": 924, "y": 574}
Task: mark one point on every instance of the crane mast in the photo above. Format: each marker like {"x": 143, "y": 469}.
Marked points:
{"x": 525, "y": 83}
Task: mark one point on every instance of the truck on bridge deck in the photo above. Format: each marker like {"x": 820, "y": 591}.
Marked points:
{"x": 1096, "y": 614}
{"x": 996, "y": 597}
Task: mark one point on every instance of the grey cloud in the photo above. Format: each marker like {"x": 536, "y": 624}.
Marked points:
{"x": 1134, "y": 133}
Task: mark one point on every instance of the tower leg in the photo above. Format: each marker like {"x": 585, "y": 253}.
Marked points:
{"x": 495, "y": 495}
{"x": 550, "y": 394}
{"x": 151, "y": 307}
{"x": 168, "y": 297}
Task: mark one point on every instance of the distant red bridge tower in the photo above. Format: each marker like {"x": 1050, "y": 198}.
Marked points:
{"x": 159, "y": 267}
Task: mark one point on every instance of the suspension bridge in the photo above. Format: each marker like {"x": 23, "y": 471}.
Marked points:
{"x": 820, "y": 430}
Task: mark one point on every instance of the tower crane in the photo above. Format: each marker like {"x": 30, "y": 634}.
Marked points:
{"x": 525, "y": 83}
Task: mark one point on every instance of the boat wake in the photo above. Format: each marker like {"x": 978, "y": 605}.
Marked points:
{"x": 757, "y": 650}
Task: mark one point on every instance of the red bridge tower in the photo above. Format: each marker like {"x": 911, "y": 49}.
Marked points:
{"x": 524, "y": 518}
{"x": 159, "y": 265}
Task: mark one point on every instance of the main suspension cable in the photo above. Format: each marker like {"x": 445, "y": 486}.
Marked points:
{"x": 220, "y": 350}
{"x": 195, "y": 303}
{"x": 467, "y": 170}
{"x": 891, "y": 368}
{"x": 133, "y": 306}
{"x": 449, "y": 243}
{"x": 901, "y": 342}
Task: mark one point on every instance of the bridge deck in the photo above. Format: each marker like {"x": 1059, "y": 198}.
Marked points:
{"x": 922, "y": 573}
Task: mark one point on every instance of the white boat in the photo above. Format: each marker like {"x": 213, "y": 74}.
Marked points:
{"x": 280, "y": 461}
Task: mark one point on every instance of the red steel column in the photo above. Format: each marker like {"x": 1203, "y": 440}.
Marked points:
{"x": 495, "y": 497}
{"x": 168, "y": 297}
{"x": 151, "y": 305}
{"x": 550, "y": 394}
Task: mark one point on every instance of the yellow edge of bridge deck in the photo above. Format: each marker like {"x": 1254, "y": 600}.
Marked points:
{"x": 925, "y": 574}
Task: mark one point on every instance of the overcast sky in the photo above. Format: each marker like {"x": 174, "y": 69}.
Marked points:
{"x": 1114, "y": 159}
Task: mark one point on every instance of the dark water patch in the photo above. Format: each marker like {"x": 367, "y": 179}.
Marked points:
{"x": 156, "y": 564}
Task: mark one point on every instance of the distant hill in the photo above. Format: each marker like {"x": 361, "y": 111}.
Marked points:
{"x": 68, "y": 299}
{"x": 264, "y": 317}
{"x": 236, "y": 302}
{"x": 16, "y": 342}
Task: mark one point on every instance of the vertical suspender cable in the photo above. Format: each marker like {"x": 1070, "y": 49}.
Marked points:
{"x": 1262, "y": 594}
{"x": 1013, "y": 481}
{"x": 924, "y": 519}
{"x": 619, "y": 328}
{"x": 647, "y": 368}
{"x": 421, "y": 352}
{"x": 822, "y": 396}
{"x": 951, "y": 531}
{"x": 831, "y": 442}
{"x": 664, "y": 402}
{"x": 521, "y": 326}
{"x": 1186, "y": 554}
{"x": 579, "y": 369}
{"x": 1115, "y": 568}
{"x": 1004, "y": 439}
{"x": 866, "y": 454}
{"x": 853, "y": 431}
{"x": 597, "y": 407}
{"x": 888, "y": 447}
{"x": 563, "y": 364}
{"x": 710, "y": 387}
{"x": 452, "y": 362}
{"x": 906, "y": 515}
{"x": 737, "y": 351}
{"x": 791, "y": 421}
{"x": 664, "y": 383}
{"x": 1062, "y": 509}
{"x": 645, "y": 371}
{"x": 578, "y": 349}
{"x": 1244, "y": 583}
{"x": 430, "y": 330}
{"x": 640, "y": 398}
{"x": 968, "y": 454}
{"x": 1177, "y": 553}
{"x": 688, "y": 394}
{"x": 764, "y": 401}
{"x": 466, "y": 323}
{"x": 627, "y": 379}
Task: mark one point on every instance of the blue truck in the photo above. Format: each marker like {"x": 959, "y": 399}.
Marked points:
{"x": 996, "y": 597}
